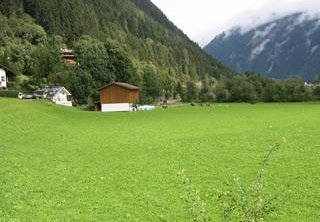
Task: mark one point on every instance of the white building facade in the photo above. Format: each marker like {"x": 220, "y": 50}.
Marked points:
{"x": 58, "y": 95}
{"x": 3, "y": 78}
{"x": 62, "y": 97}
{"x": 116, "y": 107}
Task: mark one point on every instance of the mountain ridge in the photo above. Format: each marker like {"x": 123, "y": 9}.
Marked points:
{"x": 280, "y": 48}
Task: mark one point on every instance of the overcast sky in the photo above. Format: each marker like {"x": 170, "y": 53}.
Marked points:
{"x": 202, "y": 20}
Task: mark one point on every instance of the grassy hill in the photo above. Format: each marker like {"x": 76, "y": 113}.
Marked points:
{"x": 62, "y": 164}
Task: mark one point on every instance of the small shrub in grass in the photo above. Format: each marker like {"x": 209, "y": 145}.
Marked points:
{"x": 192, "y": 199}
{"x": 253, "y": 203}
{"x": 236, "y": 201}
{"x": 9, "y": 93}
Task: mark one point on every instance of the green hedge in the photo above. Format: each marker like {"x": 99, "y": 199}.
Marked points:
{"x": 9, "y": 93}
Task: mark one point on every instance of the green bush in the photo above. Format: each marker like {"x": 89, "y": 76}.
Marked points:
{"x": 192, "y": 199}
{"x": 9, "y": 93}
{"x": 237, "y": 202}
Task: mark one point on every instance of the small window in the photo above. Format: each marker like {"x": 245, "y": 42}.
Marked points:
{"x": 3, "y": 79}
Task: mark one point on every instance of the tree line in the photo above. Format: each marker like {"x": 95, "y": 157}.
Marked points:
{"x": 252, "y": 87}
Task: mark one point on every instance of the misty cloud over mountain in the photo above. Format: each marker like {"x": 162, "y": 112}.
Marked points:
{"x": 262, "y": 12}
{"x": 280, "y": 48}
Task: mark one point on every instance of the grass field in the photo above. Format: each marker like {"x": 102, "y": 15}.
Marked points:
{"x": 62, "y": 164}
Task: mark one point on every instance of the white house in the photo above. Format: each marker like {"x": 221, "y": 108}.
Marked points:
{"x": 62, "y": 97}
{"x": 3, "y": 78}
{"x": 58, "y": 95}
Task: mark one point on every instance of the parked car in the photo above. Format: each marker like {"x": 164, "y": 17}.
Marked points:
{"x": 37, "y": 96}
{"x": 28, "y": 97}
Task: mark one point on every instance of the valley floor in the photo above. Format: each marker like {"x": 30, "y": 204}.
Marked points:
{"x": 62, "y": 164}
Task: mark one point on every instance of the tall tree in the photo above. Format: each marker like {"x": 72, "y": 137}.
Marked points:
{"x": 151, "y": 84}
{"x": 191, "y": 92}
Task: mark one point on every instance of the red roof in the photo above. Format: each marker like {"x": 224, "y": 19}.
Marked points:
{"x": 123, "y": 85}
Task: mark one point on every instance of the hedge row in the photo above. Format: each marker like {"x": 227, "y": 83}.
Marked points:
{"x": 9, "y": 93}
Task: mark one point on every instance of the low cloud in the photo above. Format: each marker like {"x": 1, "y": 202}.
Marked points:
{"x": 274, "y": 9}
{"x": 202, "y": 20}
{"x": 271, "y": 10}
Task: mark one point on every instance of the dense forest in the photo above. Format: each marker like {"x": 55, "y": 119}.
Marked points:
{"x": 114, "y": 40}
{"x": 254, "y": 87}
{"x": 123, "y": 40}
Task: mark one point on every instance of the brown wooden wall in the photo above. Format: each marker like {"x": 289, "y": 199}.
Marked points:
{"x": 118, "y": 94}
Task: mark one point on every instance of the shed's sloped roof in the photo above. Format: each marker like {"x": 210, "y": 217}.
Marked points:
{"x": 122, "y": 84}
{"x": 52, "y": 90}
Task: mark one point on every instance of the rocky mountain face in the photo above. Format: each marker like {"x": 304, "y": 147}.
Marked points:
{"x": 280, "y": 48}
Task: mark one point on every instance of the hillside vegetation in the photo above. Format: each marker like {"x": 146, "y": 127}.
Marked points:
{"x": 114, "y": 40}
{"x": 125, "y": 40}
{"x": 61, "y": 164}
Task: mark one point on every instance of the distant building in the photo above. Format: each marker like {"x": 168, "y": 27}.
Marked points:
{"x": 6, "y": 76}
{"x": 3, "y": 78}
{"x": 68, "y": 56}
{"x": 58, "y": 95}
{"x": 118, "y": 97}
{"x": 308, "y": 84}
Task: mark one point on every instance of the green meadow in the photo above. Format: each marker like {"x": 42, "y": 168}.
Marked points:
{"x": 63, "y": 164}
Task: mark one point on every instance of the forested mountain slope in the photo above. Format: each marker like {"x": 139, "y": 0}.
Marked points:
{"x": 136, "y": 28}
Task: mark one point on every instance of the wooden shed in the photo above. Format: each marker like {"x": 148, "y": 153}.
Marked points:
{"x": 118, "y": 97}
